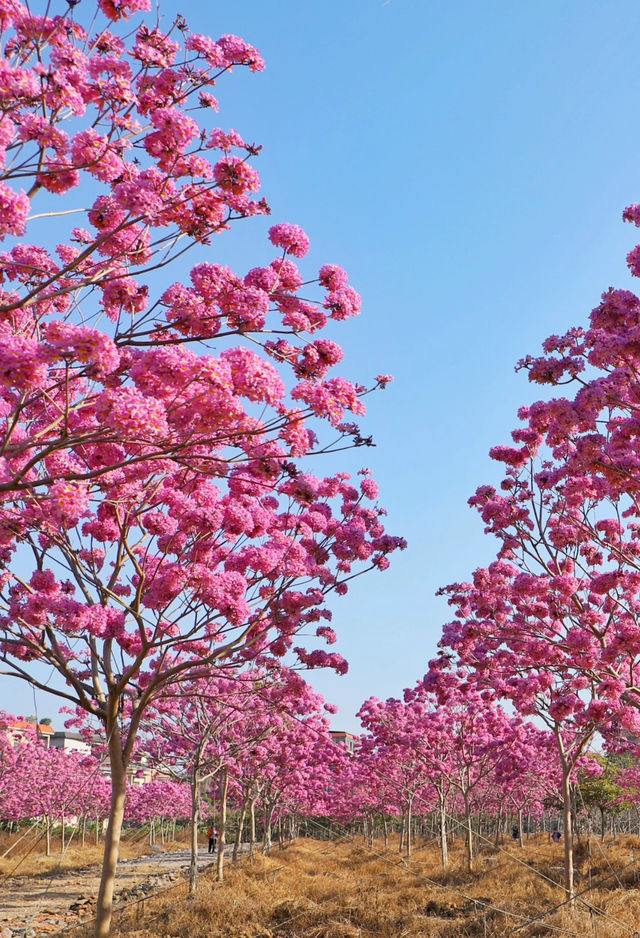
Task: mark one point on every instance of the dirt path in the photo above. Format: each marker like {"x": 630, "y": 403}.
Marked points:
{"x": 43, "y": 905}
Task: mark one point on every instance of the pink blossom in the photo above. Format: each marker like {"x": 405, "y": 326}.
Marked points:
{"x": 14, "y": 209}
{"x": 343, "y": 303}
{"x": 123, "y": 9}
{"x": 132, "y": 415}
{"x": 155, "y": 48}
{"x": 334, "y": 278}
{"x": 21, "y": 364}
{"x": 69, "y": 501}
{"x": 93, "y": 152}
{"x": 236, "y": 175}
{"x": 238, "y": 52}
{"x": 225, "y": 139}
{"x": 291, "y": 238}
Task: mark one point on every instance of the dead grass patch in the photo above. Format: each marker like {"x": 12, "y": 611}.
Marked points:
{"x": 317, "y": 889}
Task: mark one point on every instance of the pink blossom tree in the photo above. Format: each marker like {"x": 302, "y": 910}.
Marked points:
{"x": 154, "y": 520}
{"x": 44, "y": 783}
{"x": 554, "y": 623}
{"x": 392, "y": 736}
{"x": 198, "y": 729}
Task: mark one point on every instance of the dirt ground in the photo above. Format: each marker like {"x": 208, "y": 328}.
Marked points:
{"x": 46, "y": 904}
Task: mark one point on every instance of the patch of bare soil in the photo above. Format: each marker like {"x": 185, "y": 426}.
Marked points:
{"x": 45, "y": 904}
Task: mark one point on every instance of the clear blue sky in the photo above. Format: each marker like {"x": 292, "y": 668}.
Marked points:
{"x": 468, "y": 164}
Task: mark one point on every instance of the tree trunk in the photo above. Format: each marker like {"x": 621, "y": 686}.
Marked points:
{"x": 385, "y": 825}
{"x": 222, "y": 832}
{"x": 520, "y": 831}
{"x": 444, "y": 853}
{"x": 48, "y": 836}
{"x": 104, "y": 906}
{"x": 409, "y": 819}
{"x": 195, "y": 821}
{"x": 467, "y": 810}
{"x": 238, "y": 840}
{"x": 268, "y": 817}
{"x": 252, "y": 829}
{"x": 568, "y": 831}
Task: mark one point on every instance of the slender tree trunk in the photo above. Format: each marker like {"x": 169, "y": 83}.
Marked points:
{"x": 84, "y": 829}
{"x": 195, "y": 822}
{"x": 520, "y": 831}
{"x": 385, "y": 826}
{"x": 268, "y": 816}
{"x": 467, "y": 809}
{"x": 48, "y": 836}
{"x": 409, "y": 820}
{"x": 104, "y": 905}
{"x": 498, "y": 822}
{"x": 238, "y": 840}
{"x": 222, "y": 832}
{"x": 252, "y": 829}
{"x": 62, "y": 835}
{"x": 568, "y": 830}
{"x": 444, "y": 853}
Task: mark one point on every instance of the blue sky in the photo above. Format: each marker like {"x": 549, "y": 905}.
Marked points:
{"x": 468, "y": 165}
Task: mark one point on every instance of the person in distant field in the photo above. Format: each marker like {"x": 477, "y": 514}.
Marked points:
{"x": 515, "y": 832}
{"x": 212, "y": 839}
{"x": 556, "y": 836}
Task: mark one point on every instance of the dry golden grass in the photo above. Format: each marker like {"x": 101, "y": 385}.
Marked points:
{"x": 316, "y": 889}
{"x": 27, "y": 858}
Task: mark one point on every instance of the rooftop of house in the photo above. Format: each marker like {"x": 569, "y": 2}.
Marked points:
{"x": 43, "y": 728}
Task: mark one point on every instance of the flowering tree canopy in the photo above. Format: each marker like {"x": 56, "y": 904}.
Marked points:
{"x": 154, "y": 515}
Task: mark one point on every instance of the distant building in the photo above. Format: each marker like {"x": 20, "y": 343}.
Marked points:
{"x": 70, "y": 742}
{"x": 347, "y": 740}
{"x": 21, "y": 730}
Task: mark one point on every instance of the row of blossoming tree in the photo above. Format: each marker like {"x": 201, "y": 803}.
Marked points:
{"x": 443, "y": 759}
{"x": 262, "y": 747}
{"x": 553, "y": 624}
{"x": 157, "y": 516}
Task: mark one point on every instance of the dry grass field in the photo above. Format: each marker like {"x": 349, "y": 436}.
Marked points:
{"x": 345, "y": 889}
